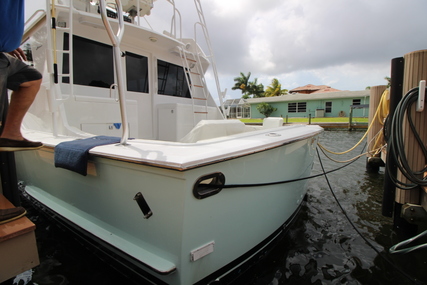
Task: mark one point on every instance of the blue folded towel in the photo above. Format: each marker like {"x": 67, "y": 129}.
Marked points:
{"x": 73, "y": 155}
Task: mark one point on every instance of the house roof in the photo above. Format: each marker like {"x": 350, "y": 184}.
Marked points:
{"x": 234, "y": 102}
{"x": 309, "y": 87}
{"x": 313, "y": 96}
{"x": 329, "y": 89}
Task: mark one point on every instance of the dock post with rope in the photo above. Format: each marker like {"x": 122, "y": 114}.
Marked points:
{"x": 379, "y": 99}
{"x": 412, "y": 196}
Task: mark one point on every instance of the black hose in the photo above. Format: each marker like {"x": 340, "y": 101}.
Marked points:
{"x": 396, "y": 144}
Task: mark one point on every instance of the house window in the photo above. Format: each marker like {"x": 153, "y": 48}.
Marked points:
{"x": 302, "y": 107}
{"x": 171, "y": 80}
{"x": 356, "y": 101}
{"x": 92, "y": 62}
{"x": 292, "y": 107}
{"x": 136, "y": 72}
{"x": 299, "y": 107}
{"x": 328, "y": 107}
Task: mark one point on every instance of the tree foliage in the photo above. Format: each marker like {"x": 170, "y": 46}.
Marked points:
{"x": 241, "y": 83}
{"x": 388, "y": 79}
{"x": 247, "y": 87}
{"x": 265, "y": 109}
{"x": 275, "y": 89}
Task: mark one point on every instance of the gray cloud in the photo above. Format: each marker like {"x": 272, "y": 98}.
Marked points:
{"x": 302, "y": 39}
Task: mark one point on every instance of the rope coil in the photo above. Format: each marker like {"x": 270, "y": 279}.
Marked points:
{"x": 396, "y": 145}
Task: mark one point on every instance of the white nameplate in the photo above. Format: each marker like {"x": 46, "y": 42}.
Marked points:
{"x": 202, "y": 251}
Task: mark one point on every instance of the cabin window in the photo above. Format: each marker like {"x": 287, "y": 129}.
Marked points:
{"x": 328, "y": 107}
{"x": 136, "y": 72}
{"x": 171, "y": 80}
{"x": 92, "y": 62}
{"x": 356, "y": 101}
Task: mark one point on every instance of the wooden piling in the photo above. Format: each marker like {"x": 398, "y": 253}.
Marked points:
{"x": 415, "y": 69}
{"x": 373, "y": 161}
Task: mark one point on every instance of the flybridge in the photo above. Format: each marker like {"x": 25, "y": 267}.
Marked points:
{"x": 64, "y": 58}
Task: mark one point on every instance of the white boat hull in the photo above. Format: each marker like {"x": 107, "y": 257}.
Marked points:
{"x": 226, "y": 225}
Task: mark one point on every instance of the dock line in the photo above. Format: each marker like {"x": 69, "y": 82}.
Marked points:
{"x": 379, "y": 113}
{"x": 415, "y": 281}
{"x": 396, "y": 249}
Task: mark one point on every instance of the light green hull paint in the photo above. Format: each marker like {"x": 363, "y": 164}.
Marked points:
{"x": 236, "y": 219}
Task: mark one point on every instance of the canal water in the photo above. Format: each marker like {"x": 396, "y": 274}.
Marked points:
{"x": 321, "y": 247}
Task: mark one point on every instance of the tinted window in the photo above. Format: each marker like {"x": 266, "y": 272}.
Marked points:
{"x": 171, "y": 80}
{"x": 92, "y": 62}
{"x": 136, "y": 72}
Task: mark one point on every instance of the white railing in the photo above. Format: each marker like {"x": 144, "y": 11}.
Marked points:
{"x": 115, "y": 41}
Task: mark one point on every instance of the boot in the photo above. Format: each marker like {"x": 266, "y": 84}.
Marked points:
{"x": 7, "y": 215}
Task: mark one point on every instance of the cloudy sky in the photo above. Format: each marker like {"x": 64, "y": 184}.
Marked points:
{"x": 346, "y": 44}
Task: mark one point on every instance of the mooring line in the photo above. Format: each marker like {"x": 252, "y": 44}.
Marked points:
{"x": 415, "y": 281}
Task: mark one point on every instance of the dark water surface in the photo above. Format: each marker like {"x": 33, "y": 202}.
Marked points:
{"x": 320, "y": 248}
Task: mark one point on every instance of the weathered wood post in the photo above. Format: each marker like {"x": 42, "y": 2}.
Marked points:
{"x": 350, "y": 119}
{"x": 373, "y": 162}
{"x": 415, "y": 69}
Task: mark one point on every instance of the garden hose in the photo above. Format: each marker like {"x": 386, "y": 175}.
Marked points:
{"x": 396, "y": 145}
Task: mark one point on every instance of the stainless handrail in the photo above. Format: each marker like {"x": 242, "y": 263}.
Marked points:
{"x": 115, "y": 40}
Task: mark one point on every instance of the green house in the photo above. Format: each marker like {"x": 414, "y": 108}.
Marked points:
{"x": 324, "y": 104}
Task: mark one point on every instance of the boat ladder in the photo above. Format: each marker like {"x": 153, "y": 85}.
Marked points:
{"x": 55, "y": 95}
{"x": 196, "y": 82}
{"x": 56, "y": 98}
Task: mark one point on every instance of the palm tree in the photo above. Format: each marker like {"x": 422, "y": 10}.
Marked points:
{"x": 242, "y": 83}
{"x": 275, "y": 89}
{"x": 255, "y": 89}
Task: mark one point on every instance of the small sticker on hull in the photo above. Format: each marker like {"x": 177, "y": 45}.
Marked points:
{"x": 202, "y": 251}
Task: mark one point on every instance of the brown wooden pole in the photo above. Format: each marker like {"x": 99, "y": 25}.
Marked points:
{"x": 374, "y": 100}
{"x": 373, "y": 162}
{"x": 415, "y": 69}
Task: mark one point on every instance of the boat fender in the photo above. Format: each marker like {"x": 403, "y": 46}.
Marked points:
{"x": 143, "y": 205}
{"x": 208, "y": 185}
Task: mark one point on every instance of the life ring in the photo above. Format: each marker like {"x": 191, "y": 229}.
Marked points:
{"x": 341, "y": 114}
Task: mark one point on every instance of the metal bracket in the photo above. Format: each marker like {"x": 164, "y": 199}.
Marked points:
{"x": 414, "y": 214}
{"x": 421, "y": 96}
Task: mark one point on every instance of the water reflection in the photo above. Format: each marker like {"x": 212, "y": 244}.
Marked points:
{"x": 323, "y": 248}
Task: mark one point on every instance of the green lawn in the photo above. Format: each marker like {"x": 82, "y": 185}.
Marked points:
{"x": 313, "y": 120}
